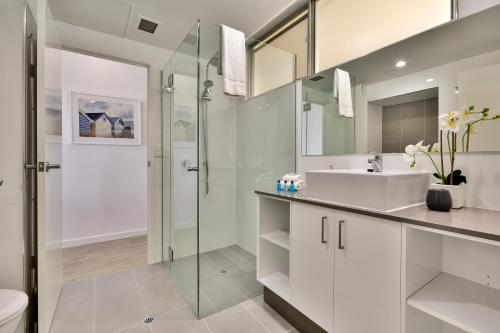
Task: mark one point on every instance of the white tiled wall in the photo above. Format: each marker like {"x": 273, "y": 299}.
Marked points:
{"x": 11, "y": 143}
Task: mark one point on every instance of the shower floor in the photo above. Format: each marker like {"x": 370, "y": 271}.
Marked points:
{"x": 227, "y": 278}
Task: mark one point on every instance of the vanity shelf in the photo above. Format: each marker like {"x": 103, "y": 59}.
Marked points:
{"x": 273, "y": 246}
{"x": 279, "y": 283}
{"x": 467, "y": 305}
{"x": 278, "y": 237}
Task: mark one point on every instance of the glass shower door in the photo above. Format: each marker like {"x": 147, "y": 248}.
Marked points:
{"x": 180, "y": 78}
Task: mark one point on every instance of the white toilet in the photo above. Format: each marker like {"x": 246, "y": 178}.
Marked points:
{"x": 12, "y": 306}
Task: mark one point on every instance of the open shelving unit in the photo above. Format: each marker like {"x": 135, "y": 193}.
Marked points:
{"x": 273, "y": 260}
{"x": 464, "y": 304}
{"x": 278, "y": 237}
{"x": 452, "y": 283}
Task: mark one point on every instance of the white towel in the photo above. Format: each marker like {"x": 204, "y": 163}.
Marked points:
{"x": 342, "y": 92}
{"x": 233, "y": 61}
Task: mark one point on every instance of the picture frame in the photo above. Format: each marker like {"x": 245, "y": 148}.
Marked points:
{"x": 99, "y": 119}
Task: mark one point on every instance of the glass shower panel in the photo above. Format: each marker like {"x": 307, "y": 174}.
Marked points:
{"x": 180, "y": 80}
{"x": 227, "y": 219}
{"x": 265, "y": 152}
{"x": 217, "y": 195}
{"x": 209, "y": 206}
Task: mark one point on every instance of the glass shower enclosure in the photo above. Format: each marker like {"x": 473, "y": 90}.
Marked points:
{"x": 217, "y": 149}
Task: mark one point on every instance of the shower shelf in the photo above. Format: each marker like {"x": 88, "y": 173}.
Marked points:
{"x": 278, "y": 237}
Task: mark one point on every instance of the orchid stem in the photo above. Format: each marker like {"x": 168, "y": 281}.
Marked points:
{"x": 443, "y": 180}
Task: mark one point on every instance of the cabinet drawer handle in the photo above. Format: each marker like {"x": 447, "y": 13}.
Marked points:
{"x": 341, "y": 246}
{"x": 323, "y": 222}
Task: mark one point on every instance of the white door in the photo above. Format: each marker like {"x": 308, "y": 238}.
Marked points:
{"x": 48, "y": 168}
{"x": 367, "y": 274}
{"x": 311, "y": 267}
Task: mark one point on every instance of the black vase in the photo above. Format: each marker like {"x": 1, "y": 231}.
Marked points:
{"x": 439, "y": 199}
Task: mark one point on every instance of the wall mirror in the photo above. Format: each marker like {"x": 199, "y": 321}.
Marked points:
{"x": 393, "y": 97}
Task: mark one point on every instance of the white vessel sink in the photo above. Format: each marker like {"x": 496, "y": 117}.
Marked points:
{"x": 382, "y": 191}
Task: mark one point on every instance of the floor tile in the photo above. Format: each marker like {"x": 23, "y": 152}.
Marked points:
{"x": 74, "y": 314}
{"x": 117, "y": 308}
{"x": 247, "y": 256}
{"x": 220, "y": 260}
{"x": 267, "y": 316}
{"x": 185, "y": 268}
{"x": 234, "y": 320}
{"x": 232, "y": 256}
{"x": 78, "y": 288}
{"x": 222, "y": 291}
{"x": 138, "y": 328}
{"x": 147, "y": 271}
{"x": 179, "y": 321}
{"x": 189, "y": 291}
{"x": 245, "y": 277}
{"x": 116, "y": 279}
{"x": 160, "y": 295}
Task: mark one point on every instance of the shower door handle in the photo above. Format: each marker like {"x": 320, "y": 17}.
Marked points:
{"x": 192, "y": 169}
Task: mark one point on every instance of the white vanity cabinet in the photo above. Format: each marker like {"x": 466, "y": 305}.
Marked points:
{"x": 341, "y": 270}
{"x": 367, "y": 279}
{"x": 311, "y": 262}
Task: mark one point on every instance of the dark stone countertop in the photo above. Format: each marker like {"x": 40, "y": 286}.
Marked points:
{"x": 476, "y": 222}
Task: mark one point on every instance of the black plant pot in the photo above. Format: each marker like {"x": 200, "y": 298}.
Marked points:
{"x": 439, "y": 199}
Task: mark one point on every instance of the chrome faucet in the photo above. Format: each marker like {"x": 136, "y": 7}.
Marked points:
{"x": 377, "y": 162}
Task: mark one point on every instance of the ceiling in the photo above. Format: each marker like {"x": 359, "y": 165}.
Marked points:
{"x": 176, "y": 17}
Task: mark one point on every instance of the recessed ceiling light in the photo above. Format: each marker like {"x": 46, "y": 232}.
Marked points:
{"x": 401, "y": 63}
{"x": 429, "y": 79}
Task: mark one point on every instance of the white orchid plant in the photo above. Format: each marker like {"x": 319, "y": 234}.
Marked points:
{"x": 451, "y": 123}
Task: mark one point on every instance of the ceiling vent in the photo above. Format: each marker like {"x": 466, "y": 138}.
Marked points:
{"x": 148, "y": 25}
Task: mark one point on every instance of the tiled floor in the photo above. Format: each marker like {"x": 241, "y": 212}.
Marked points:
{"x": 120, "y": 301}
{"x": 227, "y": 278}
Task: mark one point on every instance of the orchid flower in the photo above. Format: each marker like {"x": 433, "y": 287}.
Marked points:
{"x": 450, "y": 121}
{"x": 411, "y": 152}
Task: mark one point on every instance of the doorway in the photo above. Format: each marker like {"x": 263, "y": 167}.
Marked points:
{"x": 103, "y": 138}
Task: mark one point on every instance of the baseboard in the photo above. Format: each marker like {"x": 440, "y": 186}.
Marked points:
{"x": 103, "y": 237}
{"x": 296, "y": 318}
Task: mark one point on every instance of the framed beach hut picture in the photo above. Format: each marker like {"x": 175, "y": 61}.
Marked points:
{"x": 105, "y": 120}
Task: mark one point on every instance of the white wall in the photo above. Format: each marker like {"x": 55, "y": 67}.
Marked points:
{"x": 468, "y": 7}
{"x": 104, "y": 186}
{"x": 74, "y": 37}
{"x": 347, "y": 29}
{"x": 11, "y": 145}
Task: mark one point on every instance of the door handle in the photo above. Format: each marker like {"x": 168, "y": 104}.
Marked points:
{"x": 341, "y": 246}
{"x": 324, "y": 219}
{"x": 192, "y": 169}
{"x": 49, "y": 166}
{"x": 1, "y": 181}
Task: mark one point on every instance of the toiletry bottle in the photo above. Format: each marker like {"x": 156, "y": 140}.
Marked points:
{"x": 278, "y": 186}
{"x": 285, "y": 187}
{"x": 292, "y": 187}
